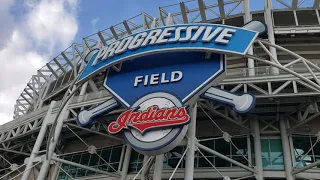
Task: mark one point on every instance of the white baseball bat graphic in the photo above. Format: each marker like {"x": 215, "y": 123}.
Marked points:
{"x": 85, "y": 117}
{"x": 241, "y": 103}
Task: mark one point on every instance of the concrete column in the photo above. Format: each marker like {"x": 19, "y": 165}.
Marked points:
{"x": 83, "y": 92}
{"x": 55, "y": 171}
{"x": 144, "y": 170}
{"x": 257, "y": 148}
{"x": 189, "y": 170}
{"x": 158, "y": 167}
{"x": 286, "y": 148}
{"x": 269, "y": 23}
{"x": 38, "y": 142}
{"x": 53, "y": 142}
{"x": 126, "y": 163}
{"x": 247, "y": 18}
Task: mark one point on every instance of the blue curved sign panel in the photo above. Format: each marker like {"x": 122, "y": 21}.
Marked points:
{"x": 193, "y": 37}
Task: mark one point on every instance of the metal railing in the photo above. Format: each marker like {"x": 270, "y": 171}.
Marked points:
{"x": 263, "y": 71}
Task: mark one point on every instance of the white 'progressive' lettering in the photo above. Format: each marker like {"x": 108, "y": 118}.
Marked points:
{"x": 219, "y": 35}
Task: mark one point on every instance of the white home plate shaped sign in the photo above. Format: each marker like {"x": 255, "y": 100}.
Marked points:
{"x": 158, "y": 74}
{"x": 156, "y": 90}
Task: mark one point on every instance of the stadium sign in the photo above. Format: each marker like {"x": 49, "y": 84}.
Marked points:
{"x": 169, "y": 69}
{"x": 192, "y": 37}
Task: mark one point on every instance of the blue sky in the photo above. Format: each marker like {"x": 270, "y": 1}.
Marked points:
{"x": 110, "y": 12}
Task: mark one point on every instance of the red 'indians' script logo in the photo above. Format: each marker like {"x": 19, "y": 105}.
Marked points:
{"x": 151, "y": 118}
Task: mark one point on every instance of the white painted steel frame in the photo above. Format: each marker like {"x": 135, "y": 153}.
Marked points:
{"x": 70, "y": 58}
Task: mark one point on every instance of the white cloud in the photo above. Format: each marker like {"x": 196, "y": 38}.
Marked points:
{"x": 94, "y": 23}
{"x": 49, "y": 25}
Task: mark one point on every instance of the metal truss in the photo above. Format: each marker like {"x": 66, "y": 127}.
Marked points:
{"x": 296, "y": 78}
{"x": 56, "y": 75}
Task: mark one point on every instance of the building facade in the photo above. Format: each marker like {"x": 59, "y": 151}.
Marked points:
{"x": 278, "y": 139}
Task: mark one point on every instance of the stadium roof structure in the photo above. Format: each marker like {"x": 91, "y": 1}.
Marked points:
{"x": 270, "y": 71}
{"x": 295, "y": 18}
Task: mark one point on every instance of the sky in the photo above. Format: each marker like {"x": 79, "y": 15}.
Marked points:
{"x": 32, "y": 32}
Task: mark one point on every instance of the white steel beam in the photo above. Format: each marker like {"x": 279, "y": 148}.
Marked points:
{"x": 33, "y": 89}
{"x": 126, "y": 163}
{"x": 38, "y": 142}
{"x": 294, "y": 4}
{"x": 257, "y": 148}
{"x": 158, "y": 166}
{"x": 93, "y": 86}
{"x": 189, "y": 170}
{"x": 202, "y": 9}
{"x": 59, "y": 65}
{"x": 211, "y": 151}
{"x": 316, "y": 4}
{"x": 43, "y": 76}
{"x": 221, "y": 9}
{"x": 304, "y": 122}
{"x": 114, "y": 33}
{"x": 248, "y": 18}
{"x": 85, "y": 167}
{"x": 299, "y": 170}
{"x": 102, "y": 38}
{"x": 13, "y": 151}
{"x": 63, "y": 54}
{"x": 184, "y": 12}
{"x": 286, "y": 148}
{"x": 269, "y": 23}
{"x": 52, "y": 71}
{"x": 28, "y": 93}
{"x": 126, "y": 26}
{"x": 96, "y": 132}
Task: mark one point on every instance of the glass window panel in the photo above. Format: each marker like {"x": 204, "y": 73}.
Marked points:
{"x": 113, "y": 167}
{"x": 94, "y": 160}
{"x": 222, "y": 146}
{"x": 317, "y": 158}
{"x": 172, "y": 162}
{"x": 275, "y": 148}
{"x": 105, "y": 154}
{"x": 134, "y": 157}
{"x": 91, "y": 173}
{"x": 221, "y": 162}
{"x": 81, "y": 172}
{"x": 165, "y": 161}
{"x": 265, "y": 148}
{"x": 76, "y": 158}
{"x": 103, "y": 167}
{"x": 72, "y": 167}
{"x": 72, "y": 173}
{"x": 303, "y": 162}
{"x": 301, "y": 145}
{"x": 316, "y": 148}
{"x": 209, "y": 144}
{"x": 204, "y": 163}
{"x": 240, "y": 159}
{"x": 85, "y": 159}
{"x": 62, "y": 175}
{"x": 116, "y": 153}
{"x": 277, "y": 163}
{"x": 266, "y": 163}
{"x": 241, "y": 144}
{"x": 65, "y": 166}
